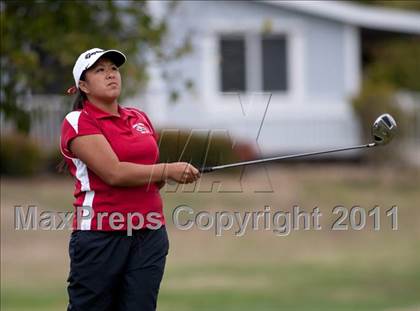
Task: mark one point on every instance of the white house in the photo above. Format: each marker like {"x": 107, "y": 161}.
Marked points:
{"x": 301, "y": 57}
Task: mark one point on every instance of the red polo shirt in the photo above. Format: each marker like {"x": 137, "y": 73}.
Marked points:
{"x": 133, "y": 139}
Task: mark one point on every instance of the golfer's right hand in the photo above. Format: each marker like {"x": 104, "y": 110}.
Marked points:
{"x": 182, "y": 172}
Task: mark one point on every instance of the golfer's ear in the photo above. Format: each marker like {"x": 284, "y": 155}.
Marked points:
{"x": 82, "y": 86}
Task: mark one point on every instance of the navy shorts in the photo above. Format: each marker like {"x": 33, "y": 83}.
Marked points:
{"x": 114, "y": 271}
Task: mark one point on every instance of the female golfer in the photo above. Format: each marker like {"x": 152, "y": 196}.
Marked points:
{"x": 119, "y": 244}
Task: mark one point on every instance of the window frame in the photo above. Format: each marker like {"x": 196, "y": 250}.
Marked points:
{"x": 232, "y": 36}
{"x": 215, "y": 101}
{"x": 287, "y": 65}
{"x": 253, "y": 44}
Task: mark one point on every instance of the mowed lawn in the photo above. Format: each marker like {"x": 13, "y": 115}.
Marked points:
{"x": 305, "y": 270}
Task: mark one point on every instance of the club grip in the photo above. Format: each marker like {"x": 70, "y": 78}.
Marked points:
{"x": 206, "y": 169}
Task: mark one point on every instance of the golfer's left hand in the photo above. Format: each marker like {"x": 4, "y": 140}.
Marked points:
{"x": 183, "y": 172}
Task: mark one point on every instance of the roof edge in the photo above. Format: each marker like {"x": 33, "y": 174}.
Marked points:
{"x": 378, "y": 18}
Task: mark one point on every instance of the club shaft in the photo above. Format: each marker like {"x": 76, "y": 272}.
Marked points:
{"x": 272, "y": 159}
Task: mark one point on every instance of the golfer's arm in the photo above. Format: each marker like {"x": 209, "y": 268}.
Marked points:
{"x": 97, "y": 154}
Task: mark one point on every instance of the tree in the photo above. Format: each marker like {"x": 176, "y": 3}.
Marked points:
{"x": 392, "y": 66}
{"x": 393, "y": 59}
{"x": 41, "y": 39}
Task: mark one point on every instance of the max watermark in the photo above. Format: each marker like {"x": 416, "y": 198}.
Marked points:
{"x": 281, "y": 223}
{"x": 237, "y": 223}
{"x": 32, "y": 219}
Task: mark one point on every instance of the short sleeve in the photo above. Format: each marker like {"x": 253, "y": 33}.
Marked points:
{"x": 76, "y": 123}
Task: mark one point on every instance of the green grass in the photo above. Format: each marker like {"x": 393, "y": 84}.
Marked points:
{"x": 307, "y": 270}
{"x": 33, "y": 299}
{"x": 268, "y": 287}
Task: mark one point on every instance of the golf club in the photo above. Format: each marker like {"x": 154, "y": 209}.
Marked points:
{"x": 383, "y": 130}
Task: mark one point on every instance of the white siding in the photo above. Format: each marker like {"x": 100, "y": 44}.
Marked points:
{"x": 322, "y": 75}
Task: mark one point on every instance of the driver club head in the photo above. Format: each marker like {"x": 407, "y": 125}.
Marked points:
{"x": 383, "y": 129}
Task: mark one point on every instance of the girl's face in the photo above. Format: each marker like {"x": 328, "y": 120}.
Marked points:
{"x": 102, "y": 81}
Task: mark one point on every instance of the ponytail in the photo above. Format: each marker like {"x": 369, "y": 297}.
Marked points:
{"x": 80, "y": 96}
{"x": 78, "y": 101}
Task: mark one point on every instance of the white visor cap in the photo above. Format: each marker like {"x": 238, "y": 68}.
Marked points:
{"x": 88, "y": 59}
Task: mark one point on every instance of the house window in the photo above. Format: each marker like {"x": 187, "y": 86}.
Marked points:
{"x": 265, "y": 58}
{"x": 274, "y": 63}
{"x": 232, "y": 51}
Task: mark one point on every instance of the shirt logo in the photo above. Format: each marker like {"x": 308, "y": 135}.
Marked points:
{"x": 141, "y": 128}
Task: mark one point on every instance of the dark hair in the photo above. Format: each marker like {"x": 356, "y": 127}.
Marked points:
{"x": 78, "y": 101}
{"x": 80, "y": 96}
{"x": 77, "y": 105}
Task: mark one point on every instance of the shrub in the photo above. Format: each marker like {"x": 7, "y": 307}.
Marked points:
{"x": 193, "y": 146}
{"x": 52, "y": 158}
{"x": 393, "y": 65}
{"x": 373, "y": 100}
{"x": 19, "y": 155}
{"x": 395, "y": 62}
